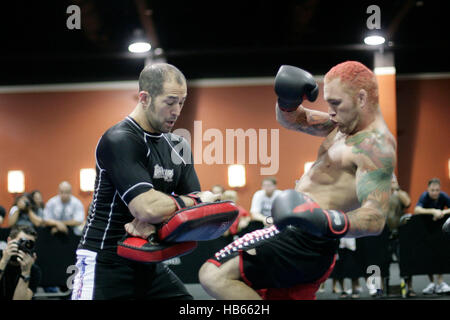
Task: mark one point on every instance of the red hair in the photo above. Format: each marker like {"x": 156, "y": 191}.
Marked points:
{"x": 356, "y": 76}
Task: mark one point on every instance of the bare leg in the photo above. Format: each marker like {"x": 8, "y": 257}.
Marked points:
{"x": 224, "y": 282}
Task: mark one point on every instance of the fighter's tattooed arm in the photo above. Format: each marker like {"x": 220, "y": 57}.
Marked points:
{"x": 313, "y": 122}
{"x": 375, "y": 160}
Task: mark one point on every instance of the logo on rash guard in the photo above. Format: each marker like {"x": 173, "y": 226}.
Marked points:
{"x": 161, "y": 173}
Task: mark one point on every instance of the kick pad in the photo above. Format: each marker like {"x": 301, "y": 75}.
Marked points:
{"x": 206, "y": 221}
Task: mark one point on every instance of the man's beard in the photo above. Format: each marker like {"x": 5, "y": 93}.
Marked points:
{"x": 157, "y": 126}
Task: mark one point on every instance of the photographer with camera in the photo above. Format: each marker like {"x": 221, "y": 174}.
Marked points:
{"x": 19, "y": 276}
{"x": 22, "y": 213}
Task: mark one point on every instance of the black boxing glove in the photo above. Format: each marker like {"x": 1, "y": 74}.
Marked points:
{"x": 292, "y": 85}
{"x": 297, "y": 209}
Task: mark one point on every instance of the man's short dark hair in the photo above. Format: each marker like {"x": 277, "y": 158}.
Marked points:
{"x": 434, "y": 180}
{"x": 153, "y": 77}
{"x": 16, "y": 229}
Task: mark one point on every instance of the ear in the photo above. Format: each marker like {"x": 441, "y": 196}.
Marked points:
{"x": 362, "y": 98}
{"x": 144, "y": 99}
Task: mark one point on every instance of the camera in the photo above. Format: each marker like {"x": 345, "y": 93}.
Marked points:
{"x": 24, "y": 245}
{"x": 27, "y": 204}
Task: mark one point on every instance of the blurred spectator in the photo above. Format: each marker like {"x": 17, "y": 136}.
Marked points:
{"x": 346, "y": 267}
{"x": 217, "y": 189}
{"x": 37, "y": 203}
{"x": 65, "y": 208}
{"x": 262, "y": 201}
{"x": 398, "y": 202}
{"x": 19, "y": 276}
{"x": 243, "y": 218}
{"x": 22, "y": 213}
{"x": 353, "y": 293}
{"x": 2, "y": 215}
{"x": 433, "y": 201}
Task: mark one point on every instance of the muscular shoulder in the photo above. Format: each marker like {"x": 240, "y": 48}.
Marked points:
{"x": 375, "y": 148}
{"x": 373, "y": 153}
{"x": 121, "y": 133}
{"x": 119, "y": 140}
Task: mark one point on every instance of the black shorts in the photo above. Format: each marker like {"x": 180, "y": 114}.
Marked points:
{"x": 282, "y": 260}
{"x": 100, "y": 277}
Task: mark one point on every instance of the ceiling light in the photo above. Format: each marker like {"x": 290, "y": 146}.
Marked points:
{"x": 139, "y": 47}
{"x": 374, "y": 40}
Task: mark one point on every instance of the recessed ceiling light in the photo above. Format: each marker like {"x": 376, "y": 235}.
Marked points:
{"x": 139, "y": 47}
{"x": 374, "y": 40}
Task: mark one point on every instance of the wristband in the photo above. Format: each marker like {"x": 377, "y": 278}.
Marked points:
{"x": 179, "y": 203}
{"x": 194, "y": 196}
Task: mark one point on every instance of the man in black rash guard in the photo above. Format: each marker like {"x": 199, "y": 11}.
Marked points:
{"x": 139, "y": 163}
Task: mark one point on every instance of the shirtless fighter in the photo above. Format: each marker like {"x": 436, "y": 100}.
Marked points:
{"x": 345, "y": 193}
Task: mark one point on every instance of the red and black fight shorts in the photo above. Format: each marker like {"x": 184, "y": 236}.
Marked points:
{"x": 287, "y": 265}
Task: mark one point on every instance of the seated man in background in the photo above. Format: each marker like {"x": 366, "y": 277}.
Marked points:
{"x": 19, "y": 276}
{"x": 433, "y": 201}
{"x": 64, "y": 210}
{"x": 262, "y": 200}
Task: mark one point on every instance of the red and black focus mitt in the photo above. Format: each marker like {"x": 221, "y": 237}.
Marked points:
{"x": 178, "y": 235}
{"x": 147, "y": 250}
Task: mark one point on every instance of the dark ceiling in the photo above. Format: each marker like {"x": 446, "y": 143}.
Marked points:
{"x": 217, "y": 39}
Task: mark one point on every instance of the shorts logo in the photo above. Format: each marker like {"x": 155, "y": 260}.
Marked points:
{"x": 247, "y": 241}
{"x": 161, "y": 173}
